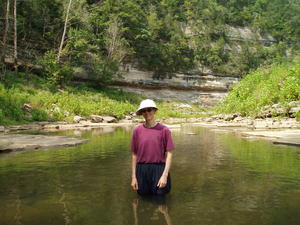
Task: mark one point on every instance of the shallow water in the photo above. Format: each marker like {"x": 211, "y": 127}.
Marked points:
{"x": 217, "y": 179}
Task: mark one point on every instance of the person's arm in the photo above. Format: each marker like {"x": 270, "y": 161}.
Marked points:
{"x": 163, "y": 179}
{"x": 134, "y": 183}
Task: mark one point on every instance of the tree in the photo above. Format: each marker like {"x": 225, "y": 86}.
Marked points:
{"x": 5, "y": 30}
{"x": 64, "y": 32}
{"x": 116, "y": 45}
{"x": 15, "y": 36}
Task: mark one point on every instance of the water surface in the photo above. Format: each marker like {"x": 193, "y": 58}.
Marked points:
{"x": 217, "y": 179}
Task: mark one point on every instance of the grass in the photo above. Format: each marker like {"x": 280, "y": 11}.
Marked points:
{"x": 279, "y": 83}
{"x": 52, "y": 104}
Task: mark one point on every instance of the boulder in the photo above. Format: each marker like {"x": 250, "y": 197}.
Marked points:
{"x": 27, "y": 108}
{"x": 96, "y": 118}
{"x": 77, "y": 119}
{"x": 294, "y": 110}
{"x": 128, "y": 117}
{"x": 2, "y": 129}
{"x": 109, "y": 119}
{"x": 66, "y": 113}
{"x": 294, "y": 104}
{"x": 229, "y": 117}
{"x": 181, "y": 106}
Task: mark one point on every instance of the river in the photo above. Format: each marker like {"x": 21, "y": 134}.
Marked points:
{"x": 217, "y": 179}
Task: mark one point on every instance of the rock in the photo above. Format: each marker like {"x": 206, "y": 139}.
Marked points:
{"x": 280, "y": 111}
{"x": 294, "y": 103}
{"x": 287, "y": 137}
{"x": 96, "y": 118}
{"x": 109, "y": 119}
{"x": 294, "y": 110}
{"x": 180, "y": 106}
{"x": 218, "y": 117}
{"x": 138, "y": 120}
{"x": 264, "y": 114}
{"x": 16, "y": 142}
{"x": 209, "y": 119}
{"x": 77, "y": 119}
{"x": 43, "y": 123}
{"x": 238, "y": 119}
{"x": 128, "y": 118}
{"x": 27, "y": 108}
{"x": 237, "y": 114}
{"x": 229, "y": 117}
{"x": 56, "y": 109}
{"x": 2, "y": 129}
{"x": 276, "y": 106}
{"x": 66, "y": 113}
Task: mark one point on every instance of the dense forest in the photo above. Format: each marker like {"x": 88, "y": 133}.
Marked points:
{"x": 164, "y": 36}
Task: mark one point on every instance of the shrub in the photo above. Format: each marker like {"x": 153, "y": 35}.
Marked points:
{"x": 265, "y": 86}
{"x": 39, "y": 115}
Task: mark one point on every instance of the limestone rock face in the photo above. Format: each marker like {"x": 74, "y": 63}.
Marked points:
{"x": 197, "y": 88}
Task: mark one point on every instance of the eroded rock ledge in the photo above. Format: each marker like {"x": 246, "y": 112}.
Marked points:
{"x": 18, "y": 142}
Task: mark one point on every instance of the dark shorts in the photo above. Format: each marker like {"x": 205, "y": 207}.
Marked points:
{"x": 148, "y": 175}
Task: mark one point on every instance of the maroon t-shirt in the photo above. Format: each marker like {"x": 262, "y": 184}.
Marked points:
{"x": 150, "y": 144}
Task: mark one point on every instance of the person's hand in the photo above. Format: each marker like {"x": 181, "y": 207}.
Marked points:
{"x": 162, "y": 182}
{"x": 134, "y": 184}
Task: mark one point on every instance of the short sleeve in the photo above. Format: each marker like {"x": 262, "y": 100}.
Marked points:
{"x": 133, "y": 146}
{"x": 168, "y": 140}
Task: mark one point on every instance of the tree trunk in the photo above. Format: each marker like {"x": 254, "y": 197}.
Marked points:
{"x": 64, "y": 32}
{"x": 5, "y": 31}
{"x": 15, "y": 37}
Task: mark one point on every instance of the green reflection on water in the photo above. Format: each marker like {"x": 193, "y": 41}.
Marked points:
{"x": 217, "y": 179}
{"x": 264, "y": 157}
{"x": 66, "y": 185}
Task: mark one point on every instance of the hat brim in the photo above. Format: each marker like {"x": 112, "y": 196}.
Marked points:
{"x": 138, "y": 112}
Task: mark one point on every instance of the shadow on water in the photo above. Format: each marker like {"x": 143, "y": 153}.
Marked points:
{"x": 217, "y": 179}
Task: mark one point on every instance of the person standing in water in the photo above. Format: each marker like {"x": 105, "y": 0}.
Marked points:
{"x": 151, "y": 147}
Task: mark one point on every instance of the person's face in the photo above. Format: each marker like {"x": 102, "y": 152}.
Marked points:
{"x": 148, "y": 113}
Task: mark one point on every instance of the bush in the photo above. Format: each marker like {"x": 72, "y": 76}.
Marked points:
{"x": 265, "y": 86}
{"x": 39, "y": 115}
{"x": 54, "y": 71}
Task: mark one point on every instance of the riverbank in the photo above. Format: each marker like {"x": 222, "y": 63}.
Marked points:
{"x": 214, "y": 121}
{"x": 280, "y": 131}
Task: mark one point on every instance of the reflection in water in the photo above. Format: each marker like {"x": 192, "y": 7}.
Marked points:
{"x": 217, "y": 179}
{"x": 18, "y": 215}
{"x": 159, "y": 205}
{"x": 62, "y": 200}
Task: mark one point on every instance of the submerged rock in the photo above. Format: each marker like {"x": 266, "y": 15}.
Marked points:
{"x": 17, "y": 142}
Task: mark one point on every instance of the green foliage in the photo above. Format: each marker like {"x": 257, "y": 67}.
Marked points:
{"x": 39, "y": 115}
{"x": 56, "y": 72}
{"x": 297, "y": 115}
{"x": 265, "y": 86}
{"x": 63, "y": 105}
{"x": 164, "y": 36}
{"x": 11, "y": 101}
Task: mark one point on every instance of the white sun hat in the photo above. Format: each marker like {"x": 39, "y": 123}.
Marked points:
{"x": 147, "y": 103}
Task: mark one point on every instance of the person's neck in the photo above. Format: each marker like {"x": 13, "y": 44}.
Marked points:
{"x": 150, "y": 123}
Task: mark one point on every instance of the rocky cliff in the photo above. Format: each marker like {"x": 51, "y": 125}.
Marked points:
{"x": 197, "y": 88}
